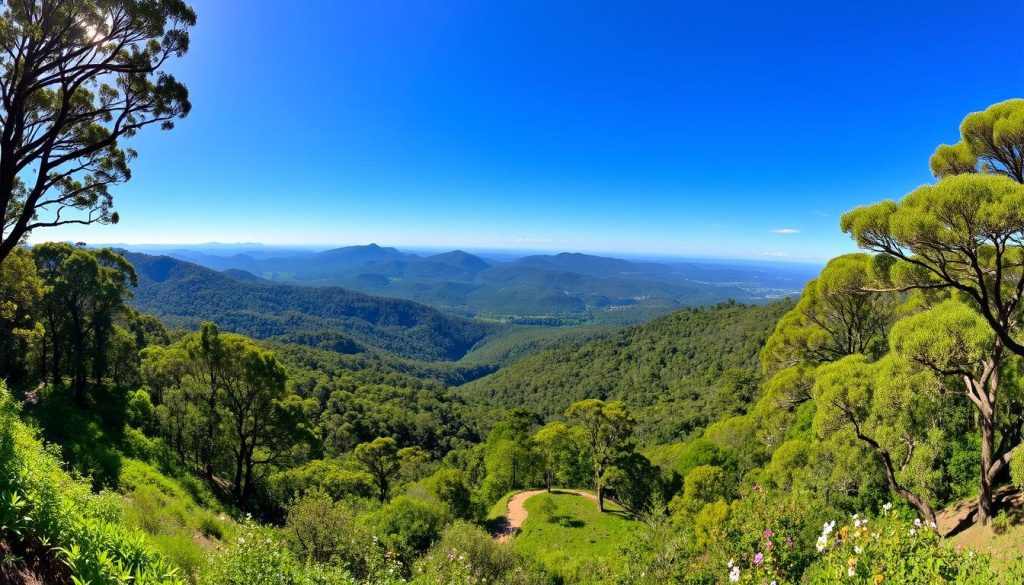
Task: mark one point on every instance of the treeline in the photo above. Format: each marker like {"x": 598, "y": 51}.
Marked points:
{"x": 65, "y": 318}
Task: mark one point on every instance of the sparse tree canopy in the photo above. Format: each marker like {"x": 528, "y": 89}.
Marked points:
{"x": 77, "y": 76}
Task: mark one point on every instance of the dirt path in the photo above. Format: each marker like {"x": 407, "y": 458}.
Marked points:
{"x": 517, "y": 513}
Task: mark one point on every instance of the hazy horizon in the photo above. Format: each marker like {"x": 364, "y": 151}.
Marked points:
{"x": 237, "y": 247}
{"x": 658, "y": 129}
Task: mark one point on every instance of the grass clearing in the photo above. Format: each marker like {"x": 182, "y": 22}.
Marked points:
{"x": 180, "y": 527}
{"x": 569, "y": 535}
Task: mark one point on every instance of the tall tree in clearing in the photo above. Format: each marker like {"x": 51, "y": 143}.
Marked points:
{"x": 609, "y": 428}
{"x": 75, "y": 78}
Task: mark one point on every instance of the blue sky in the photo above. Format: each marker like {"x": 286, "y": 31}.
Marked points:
{"x": 727, "y": 129}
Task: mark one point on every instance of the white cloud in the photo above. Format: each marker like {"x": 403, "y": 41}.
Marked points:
{"x": 785, "y": 231}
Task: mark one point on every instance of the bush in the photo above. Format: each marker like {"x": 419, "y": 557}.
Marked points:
{"x": 467, "y": 554}
{"x": 451, "y": 488}
{"x": 337, "y": 482}
{"x": 1017, "y": 466}
{"x": 259, "y": 557}
{"x": 138, "y": 445}
{"x": 890, "y": 549}
{"x": 320, "y": 529}
{"x": 1001, "y": 523}
{"x": 139, "y": 411}
{"x": 46, "y": 509}
{"x": 408, "y": 526}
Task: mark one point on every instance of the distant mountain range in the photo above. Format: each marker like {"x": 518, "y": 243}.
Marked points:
{"x": 556, "y": 288}
{"x": 185, "y": 294}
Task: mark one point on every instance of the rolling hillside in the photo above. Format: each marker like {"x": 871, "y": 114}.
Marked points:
{"x": 185, "y": 294}
{"x": 678, "y": 372}
{"x": 566, "y": 288}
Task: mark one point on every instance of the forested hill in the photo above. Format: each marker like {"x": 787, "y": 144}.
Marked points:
{"x": 678, "y": 372}
{"x": 184, "y": 294}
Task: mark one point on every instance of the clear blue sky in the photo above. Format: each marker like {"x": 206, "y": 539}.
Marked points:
{"x": 722, "y": 128}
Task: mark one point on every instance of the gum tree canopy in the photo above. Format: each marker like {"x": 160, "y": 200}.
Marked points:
{"x": 77, "y": 76}
{"x": 966, "y": 233}
{"x": 991, "y": 142}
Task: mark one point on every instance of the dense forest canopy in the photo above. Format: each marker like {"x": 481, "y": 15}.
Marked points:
{"x": 678, "y": 373}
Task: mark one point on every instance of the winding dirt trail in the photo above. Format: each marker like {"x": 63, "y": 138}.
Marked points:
{"x": 517, "y": 513}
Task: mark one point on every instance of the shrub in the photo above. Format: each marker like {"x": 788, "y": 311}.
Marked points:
{"x": 467, "y": 554}
{"x": 890, "y": 549}
{"x": 1017, "y": 466}
{"x": 139, "y": 411}
{"x": 1001, "y": 523}
{"x": 338, "y": 482}
{"x": 259, "y": 557}
{"x": 54, "y": 510}
{"x": 451, "y": 488}
{"x": 407, "y": 525}
{"x": 321, "y": 529}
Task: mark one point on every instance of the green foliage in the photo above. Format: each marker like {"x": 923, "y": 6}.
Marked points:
{"x": 336, "y": 481}
{"x": 1017, "y": 466}
{"x": 991, "y": 141}
{"x": 833, "y": 318}
{"x": 900, "y": 550}
{"x": 670, "y": 371}
{"x": 380, "y": 459}
{"x": 41, "y": 506}
{"x": 465, "y": 553}
{"x": 451, "y": 488}
{"x": 186, "y": 294}
{"x": 259, "y": 557}
{"x": 85, "y": 291}
{"x": 406, "y": 525}
{"x": 320, "y": 529}
{"x": 21, "y": 289}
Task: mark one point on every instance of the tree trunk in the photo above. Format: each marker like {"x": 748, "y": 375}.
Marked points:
{"x": 985, "y": 488}
{"x": 56, "y": 365}
{"x": 247, "y": 486}
{"x": 908, "y": 496}
{"x": 599, "y": 488}
{"x": 99, "y": 355}
{"x": 78, "y": 364}
{"x": 239, "y": 465}
{"x": 211, "y": 427}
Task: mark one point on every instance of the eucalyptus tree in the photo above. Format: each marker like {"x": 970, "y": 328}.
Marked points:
{"x": 834, "y": 317}
{"x": 563, "y": 453}
{"x": 84, "y": 291}
{"x": 511, "y": 455}
{"x": 991, "y": 141}
{"x": 21, "y": 289}
{"x": 892, "y": 411}
{"x": 964, "y": 234}
{"x": 252, "y": 397}
{"x": 609, "y": 430}
{"x": 77, "y": 77}
{"x": 954, "y": 342}
{"x": 379, "y": 458}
